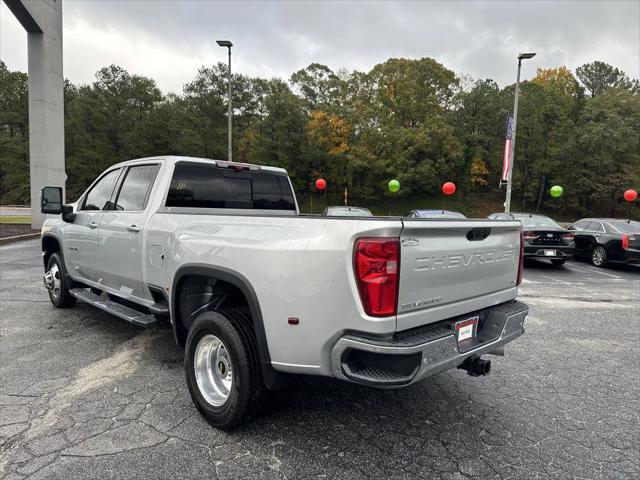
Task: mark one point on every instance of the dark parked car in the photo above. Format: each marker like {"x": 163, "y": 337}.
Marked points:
{"x": 604, "y": 240}
{"x": 543, "y": 237}
{"x": 434, "y": 214}
{"x": 347, "y": 212}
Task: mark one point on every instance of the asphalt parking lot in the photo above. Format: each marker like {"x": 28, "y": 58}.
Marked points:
{"x": 85, "y": 395}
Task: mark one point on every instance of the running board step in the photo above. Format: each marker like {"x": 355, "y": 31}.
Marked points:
{"x": 129, "y": 314}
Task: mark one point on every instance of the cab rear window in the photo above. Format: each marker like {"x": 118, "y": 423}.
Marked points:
{"x": 196, "y": 185}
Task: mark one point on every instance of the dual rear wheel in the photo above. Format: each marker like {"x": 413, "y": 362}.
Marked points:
{"x": 223, "y": 369}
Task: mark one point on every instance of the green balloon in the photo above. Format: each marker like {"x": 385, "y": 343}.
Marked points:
{"x": 556, "y": 191}
{"x": 394, "y": 186}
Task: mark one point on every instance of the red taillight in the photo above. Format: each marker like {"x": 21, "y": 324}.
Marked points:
{"x": 568, "y": 236}
{"x": 625, "y": 241}
{"x": 530, "y": 235}
{"x": 376, "y": 263}
{"x": 521, "y": 261}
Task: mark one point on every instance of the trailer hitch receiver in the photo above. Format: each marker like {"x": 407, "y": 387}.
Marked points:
{"x": 476, "y": 366}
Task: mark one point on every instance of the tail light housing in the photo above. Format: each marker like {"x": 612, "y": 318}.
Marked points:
{"x": 376, "y": 264}
{"x": 521, "y": 260}
{"x": 568, "y": 236}
{"x": 625, "y": 241}
{"x": 529, "y": 235}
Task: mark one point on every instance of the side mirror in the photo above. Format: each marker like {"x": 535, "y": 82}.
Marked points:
{"x": 51, "y": 200}
{"x": 51, "y": 203}
{"x": 67, "y": 214}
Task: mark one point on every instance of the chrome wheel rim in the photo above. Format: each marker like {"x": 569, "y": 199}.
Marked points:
{"x": 53, "y": 281}
{"x": 212, "y": 365}
{"x": 598, "y": 256}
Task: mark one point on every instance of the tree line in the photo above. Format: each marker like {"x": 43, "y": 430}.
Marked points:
{"x": 411, "y": 120}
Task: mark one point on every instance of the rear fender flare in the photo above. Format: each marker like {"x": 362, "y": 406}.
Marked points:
{"x": 241, "y": 282}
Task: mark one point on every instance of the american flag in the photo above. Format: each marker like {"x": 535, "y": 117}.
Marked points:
{"x": 507, "y": 150}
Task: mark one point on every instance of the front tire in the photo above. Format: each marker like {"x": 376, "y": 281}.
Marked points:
{"x": 599, "y": 256}
{"x": 222, "y": 369}
{"x": 558, "y": 263}
{"x": 55, "y": 279}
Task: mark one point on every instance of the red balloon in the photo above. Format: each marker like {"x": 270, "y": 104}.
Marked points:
{"x": 321, "y": 184}
{"x": 630, "y": 195}
{"x": 449, "y": 188}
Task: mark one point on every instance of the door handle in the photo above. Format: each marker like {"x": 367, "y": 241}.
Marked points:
{"x": 133, "y": 228}
{"x": 92, "y": 225}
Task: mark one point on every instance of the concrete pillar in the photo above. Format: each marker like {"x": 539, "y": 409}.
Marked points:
{"x": 42, "y": 19}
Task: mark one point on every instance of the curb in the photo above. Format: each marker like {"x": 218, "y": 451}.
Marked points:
{"x": 17, "y": 238}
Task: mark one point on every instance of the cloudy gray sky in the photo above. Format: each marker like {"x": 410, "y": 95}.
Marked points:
{"x": 169, "y": 40}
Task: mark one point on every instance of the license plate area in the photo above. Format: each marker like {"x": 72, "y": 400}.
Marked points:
{"x": 467, "y": 330}
{"x": 549, "y": 253}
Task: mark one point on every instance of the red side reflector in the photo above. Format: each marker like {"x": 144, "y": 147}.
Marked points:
{"x": 376, "y": 264}
{"x": 625, "y": 241}
{"x": 293, "y": 320}
{"x": 521, "y": 262}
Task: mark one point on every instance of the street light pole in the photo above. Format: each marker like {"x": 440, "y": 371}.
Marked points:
{"x": 228, "y": 45}
{"x": 507, "y": 203}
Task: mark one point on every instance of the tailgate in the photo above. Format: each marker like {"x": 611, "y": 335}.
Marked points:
{"x": 453, "y": 267}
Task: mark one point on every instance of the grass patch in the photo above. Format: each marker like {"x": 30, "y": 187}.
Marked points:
{"x": 15, "y": 219}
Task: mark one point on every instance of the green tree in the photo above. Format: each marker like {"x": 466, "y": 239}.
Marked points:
{"x": 609, "y": 151}
{"x": 404, "y": 119}
{"x": 317, "y": 85}
{"x": 14, "y": 136}
{"x": 480, "y": 120}
{"x": 598, "y": 76}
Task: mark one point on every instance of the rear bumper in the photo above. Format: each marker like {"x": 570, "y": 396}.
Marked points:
{"x": 415, "y": 354}
{"x": 631, "y": 256}
{"x": 563, "y": 252}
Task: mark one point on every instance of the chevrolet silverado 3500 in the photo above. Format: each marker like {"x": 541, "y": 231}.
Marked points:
{"x": 255, "y": 291}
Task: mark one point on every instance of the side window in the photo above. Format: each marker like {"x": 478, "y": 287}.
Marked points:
{"x": 101, "y": 192}
{"x": 196, "y": 186}
{"x": 135, "y": 188}
{"x": 597, "y": 227}
{"x": 579, "y": 225}
{"x": 582, "y": 225}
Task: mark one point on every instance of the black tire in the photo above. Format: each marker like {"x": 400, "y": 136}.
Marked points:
{"x": 247, "y": 394}
{"x": 599, "y": 256}
{"x": 558, "y": 262}
{"x": 61, "y": 298}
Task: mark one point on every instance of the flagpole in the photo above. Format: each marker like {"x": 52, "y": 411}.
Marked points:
{"x": 507, "y": 203}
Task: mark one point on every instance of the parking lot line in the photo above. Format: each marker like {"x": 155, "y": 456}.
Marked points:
{"x": 595, "y": 271}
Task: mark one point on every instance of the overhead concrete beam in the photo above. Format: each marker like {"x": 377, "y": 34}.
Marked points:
{"x": 42, "y": 19}
{"x": 21, "y": 11}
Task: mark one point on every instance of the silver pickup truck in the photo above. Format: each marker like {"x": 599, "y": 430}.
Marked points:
{"x": 255, "y": 291}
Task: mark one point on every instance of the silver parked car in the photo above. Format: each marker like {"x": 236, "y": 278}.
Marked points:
{"x": 346, "y": 212}
{"x": 423, "y": 213}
